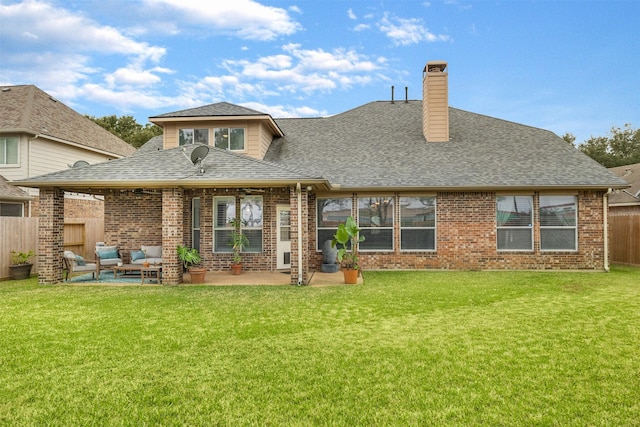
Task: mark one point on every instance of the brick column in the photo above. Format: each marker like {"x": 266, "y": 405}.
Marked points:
{"x": 50, "y": 236}
{"x": 172, "y": 234}
{"x": 299, "y": 224}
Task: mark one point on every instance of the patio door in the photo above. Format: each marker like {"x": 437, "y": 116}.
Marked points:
{"x": 283, "y": 214}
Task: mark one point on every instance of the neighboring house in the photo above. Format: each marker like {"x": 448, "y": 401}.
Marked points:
{"x": 38, "y": 135}
{"x": 624, "y": 208}
{"x": 432, "y": 187}
{"x": 626, "y": 200}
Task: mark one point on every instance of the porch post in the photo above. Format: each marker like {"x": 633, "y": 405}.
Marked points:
{"x": 299, "y": 227}
{"x": 50, "y": 236}
{"x": 172, "y": 234}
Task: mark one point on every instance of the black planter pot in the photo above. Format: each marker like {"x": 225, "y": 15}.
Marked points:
{"x": 20, "y": 271}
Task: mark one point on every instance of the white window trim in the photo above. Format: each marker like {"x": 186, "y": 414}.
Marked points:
{"x": 529, "y": 227}
{"x": 391, "y": 227}
{"x": 244, "y": 148}
{"x": 434, "y": 228}
{"x": 226, "y": 227}
{"x": 11, "y": 165}
{"x": 318, "y": 228}
{"x": 560, "y": 227}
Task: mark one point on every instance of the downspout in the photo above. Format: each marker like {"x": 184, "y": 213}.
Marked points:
{"x": 605, "y": 209}
{"x": 299, "y": 192}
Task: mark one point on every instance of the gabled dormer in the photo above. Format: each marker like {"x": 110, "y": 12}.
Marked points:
{"x": 222, "y": 125}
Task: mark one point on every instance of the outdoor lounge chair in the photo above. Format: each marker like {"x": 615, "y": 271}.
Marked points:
{"x": 107, "y": 257}
{"x": 75, "y": 264}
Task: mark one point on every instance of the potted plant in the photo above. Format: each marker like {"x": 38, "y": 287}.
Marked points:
{"x": 347, "y": 238}
{"x": 20, "y": 267}
{"x": 190, "y": 258}
{"x": 238, "y": 242}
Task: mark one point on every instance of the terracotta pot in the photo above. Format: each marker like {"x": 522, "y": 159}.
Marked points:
{"x": 236, "y": 269}
{"x": 350, "y": 276}
{"x": 197, "y": 274}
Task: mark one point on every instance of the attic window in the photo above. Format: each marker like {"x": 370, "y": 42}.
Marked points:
{"x": 229, "y": 138}
{"x": 193, "y": 136}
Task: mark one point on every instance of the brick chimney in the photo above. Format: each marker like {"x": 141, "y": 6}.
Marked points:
{"x": 435, "y": 102}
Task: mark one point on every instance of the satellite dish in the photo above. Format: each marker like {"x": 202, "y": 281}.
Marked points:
{"x": 199, "y": 153}
{"x": 79, "y": 163}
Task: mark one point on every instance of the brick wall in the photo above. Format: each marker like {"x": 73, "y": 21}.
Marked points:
{"x": 466, "y": 238}
{"x": 73, "y": 208}
{"x": 465, "y": 232}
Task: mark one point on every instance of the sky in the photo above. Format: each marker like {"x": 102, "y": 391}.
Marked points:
{"x": 565, "y": 66}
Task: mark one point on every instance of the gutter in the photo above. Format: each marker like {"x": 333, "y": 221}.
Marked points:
{"x": 299, "y": 193}
{"x": 605, "y": 216}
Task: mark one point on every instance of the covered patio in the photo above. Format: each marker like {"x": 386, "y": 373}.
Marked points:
{"x": 223, "y": 278}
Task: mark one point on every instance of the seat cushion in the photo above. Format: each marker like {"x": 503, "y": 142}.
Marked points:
{"x": 152, "y": 251}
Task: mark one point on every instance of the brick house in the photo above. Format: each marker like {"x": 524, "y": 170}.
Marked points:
{"x": 431, "y": 186}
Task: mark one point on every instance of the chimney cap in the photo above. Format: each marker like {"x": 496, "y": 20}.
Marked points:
{"x": 435, "y": 66}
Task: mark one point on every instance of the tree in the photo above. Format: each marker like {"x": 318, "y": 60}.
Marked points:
{"x": 621, "y": 147}
{"x": 128, "y": 129}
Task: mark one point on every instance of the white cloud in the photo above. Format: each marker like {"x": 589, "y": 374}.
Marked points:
{"x": 351, "y": 14}
{"x": 132, "y": 76}
{"x": 56, "y": 29}
{"x": 361, "y": 27}
{"x": 407, "y": 31}
{"x": 285, "y": 111}
{"x": 246, "y": 19}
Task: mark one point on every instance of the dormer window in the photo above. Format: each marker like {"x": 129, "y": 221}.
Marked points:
{"x": 193, "y": 136}
{"x": 229, "y": 138}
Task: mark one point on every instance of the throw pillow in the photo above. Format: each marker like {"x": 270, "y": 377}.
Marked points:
{"x": 107, "y": 254}
{"x": 80, "y": 260}
{"x": 136, "y": 255}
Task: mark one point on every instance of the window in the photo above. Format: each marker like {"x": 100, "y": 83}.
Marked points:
{"x": 515, "y": 223}
{"x": 193, "y": 136}
{"x": 417, "y": 223}
{"x": 251, "y": 215}
{"x": 224, "y": 208}
{"x": 195, "y": 223}
{"x": 229, "y": 138}
{"x": 9, "y": 151}
{"x": 11, "y": 209}
{"x": 330, "y": 213}
{"x": 375, "y": 219}
{"x": 558, "y": 216}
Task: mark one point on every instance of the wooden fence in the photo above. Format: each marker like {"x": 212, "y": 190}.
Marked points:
{"x": 21, "y": 234}
{"x": 624, "y": 232}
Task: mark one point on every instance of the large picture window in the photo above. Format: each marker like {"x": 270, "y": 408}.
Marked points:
{"x": 558, "y": 220}
{"x": 251, "y": 214}
{"x": 330, "y": 213}
{"x": 515, "y": 223}
{"x": 9, "y": 151}
{"x": 229, "y": 138}
{"x": 417, "y": 223}
{"x": 224, "y": 208}
{"x": 375, "y": 219}
{"x": 193, "y": 136}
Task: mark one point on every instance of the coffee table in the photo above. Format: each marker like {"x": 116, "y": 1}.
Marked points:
{"x": 151, "y": 272}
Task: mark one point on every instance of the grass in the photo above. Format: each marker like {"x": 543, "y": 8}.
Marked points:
{"x": 406, "y": 348}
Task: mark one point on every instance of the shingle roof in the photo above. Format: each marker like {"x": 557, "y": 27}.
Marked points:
{"x": 631, "y": 175}
{"x": 381, "y": 144}
{"x": 10, "y": 192}
{"x": 218, "y": 109}
{"x": 173, "y": 168}
{"x": 29, "y": 109}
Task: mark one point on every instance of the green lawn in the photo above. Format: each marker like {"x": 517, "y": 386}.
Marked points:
{"x": 406, "y": 348}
